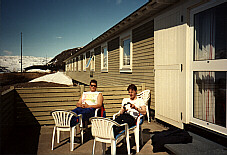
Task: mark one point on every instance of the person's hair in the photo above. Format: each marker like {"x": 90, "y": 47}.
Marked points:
{"x": 93, "y": 81}
{"x": 132, "y": 87}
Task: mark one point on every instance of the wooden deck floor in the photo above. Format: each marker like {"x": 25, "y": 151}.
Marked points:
{"x": 44, "y": 146}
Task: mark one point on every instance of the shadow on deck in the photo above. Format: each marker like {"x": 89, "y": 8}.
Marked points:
{"x": 22, "y": 140}
{"x": 63, "y": 147}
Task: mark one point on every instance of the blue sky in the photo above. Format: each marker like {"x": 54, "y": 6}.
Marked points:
{"x": 52, "y": 26}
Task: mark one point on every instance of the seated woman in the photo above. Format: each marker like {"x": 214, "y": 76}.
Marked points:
{"x": 131, "y": 108}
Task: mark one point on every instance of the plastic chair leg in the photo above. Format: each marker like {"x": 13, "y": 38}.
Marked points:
{"x": 128, "y": 143}
{"x": 93, "y": 150}
{"x": 136, "y": 134}
{"x": 52, "y": 148}
{"x": 113, "y": 147}
{"x": 82, "y": 135}
{"x": 148, "y": 115}
{"x": 58, "y": 136}
{"x": 72, "y": 138}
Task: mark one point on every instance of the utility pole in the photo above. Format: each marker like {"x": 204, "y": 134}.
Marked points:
{"x": 21, "y": 53}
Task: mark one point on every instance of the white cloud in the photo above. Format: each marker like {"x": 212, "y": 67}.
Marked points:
{"x": 59, "y": 37}
{"x": 119, "y": 2}
{"x": 6, "y": 52}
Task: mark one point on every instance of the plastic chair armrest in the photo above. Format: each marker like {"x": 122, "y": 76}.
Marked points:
{"x": 126, "y": 127}
{"x": 114, "y": 116}
{"x": 80, "y": 120}
{"x": 138, "y": 120}
{"x": 96, "y": 111}
{"x": 73, "y": 113}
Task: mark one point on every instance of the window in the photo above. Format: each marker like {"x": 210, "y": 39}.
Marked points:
{"x": 126, "y": 55}
{"x": 67, "y": 66}
{"x": 70, "y": 65}
{"x": 84, "y": 62}
{"x": 92, "y": 56}
{"x": 211, "y": 34}
{"x": 75, "y": 64}
{"x": 104, "y": 59}
{"x": 91, "y": 61}
{"x": 126, "y": 52}
{"x": 209, "y": 66}
{"x": 210, "y": 97}
{"x": 79, "y": 64}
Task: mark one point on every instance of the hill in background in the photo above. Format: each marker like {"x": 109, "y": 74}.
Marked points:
{"x": 57, "y": 62}
{"x": 13, "y": 63}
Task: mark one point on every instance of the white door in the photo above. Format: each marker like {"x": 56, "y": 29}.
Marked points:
{"x": 169, "y": 57}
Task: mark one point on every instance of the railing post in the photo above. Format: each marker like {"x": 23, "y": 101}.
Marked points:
{"x": 14, "y": 104}
{"x": 81, "y": 89}
{"x": 143, "y": 86}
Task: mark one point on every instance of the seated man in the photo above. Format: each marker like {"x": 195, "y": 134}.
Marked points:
{"x": 130, "y": 109}
{"x": 89, "y": 101}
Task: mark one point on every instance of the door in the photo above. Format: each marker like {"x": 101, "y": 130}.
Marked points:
{"x": 169, "y": 55}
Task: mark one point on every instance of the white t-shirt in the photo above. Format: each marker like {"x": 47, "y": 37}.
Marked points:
{"x": 138, "y": 103}
{"x": 90, "y": 98}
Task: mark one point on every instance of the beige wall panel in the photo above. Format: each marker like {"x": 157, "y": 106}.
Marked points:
{"x": 148, "y": 41}
{"x": 139, "y": 51}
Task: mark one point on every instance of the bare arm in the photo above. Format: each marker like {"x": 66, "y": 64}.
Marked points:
{"x": 79, "y": 103}
{"x": 123, "y": 109}
{"x": 141, "y": 110}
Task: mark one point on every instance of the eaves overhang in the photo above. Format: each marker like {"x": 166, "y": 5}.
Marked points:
{"x": 147, "y": 10}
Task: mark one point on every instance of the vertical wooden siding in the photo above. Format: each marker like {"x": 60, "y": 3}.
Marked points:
{"x": 170, "y": 77}
{"x": 7, "y": 110}
{"x": 7, "y": 118}
{"x": 142, "y": 66}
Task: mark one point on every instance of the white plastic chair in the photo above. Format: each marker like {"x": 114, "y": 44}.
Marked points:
{"x": 100, "y": 109}
{"x": 96, "y": 111}
{"x": 145, "y": 96}
{"x": 62, "y": 120}
{"x": 137, "y": 130}
{"x": 102, "y": 131}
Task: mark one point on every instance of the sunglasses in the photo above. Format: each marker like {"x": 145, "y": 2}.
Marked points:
{"x": 93, "y": 85}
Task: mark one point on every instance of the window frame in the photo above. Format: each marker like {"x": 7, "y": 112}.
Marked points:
{"x": 84, "y": 62}
{"x": 79, "y": 64}
{"x": 123, "y": 37}
{"x": 104, "y": 69}
{"x": 66, "y": 66}
{"x": 202, "y": 65}
{"x": 75, "y": 65}
{"x": 92, "y": 54}
{"x": 70, "y": 65}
